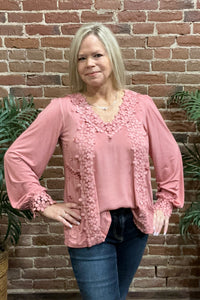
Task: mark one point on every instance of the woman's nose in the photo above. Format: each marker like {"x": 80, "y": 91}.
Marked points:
{"x": 90, "y": 62}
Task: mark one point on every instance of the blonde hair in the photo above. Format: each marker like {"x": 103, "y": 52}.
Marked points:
{"x": 111, "y": 45}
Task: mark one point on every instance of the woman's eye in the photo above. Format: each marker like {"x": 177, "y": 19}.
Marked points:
{"x": 81, "y": 58}
{"x": 98, "y": 55}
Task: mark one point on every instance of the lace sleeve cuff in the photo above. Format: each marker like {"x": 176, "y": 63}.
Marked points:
{"x": 40, "y": 201}
{"x": 165, "y": 205}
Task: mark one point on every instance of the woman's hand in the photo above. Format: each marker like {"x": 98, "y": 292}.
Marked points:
{"x": 159, "y": 221}
{"x": 65, "y": 213}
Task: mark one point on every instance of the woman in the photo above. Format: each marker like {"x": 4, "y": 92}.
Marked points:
{"x": 107, "y": 134}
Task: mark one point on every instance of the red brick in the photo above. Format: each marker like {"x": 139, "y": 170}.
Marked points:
{"x": 144, "y": 54}
{"x": 2, "y": 17}
{"x": 161, "y": 90}
{"x": 131, "y": 41}
{"x": 193, "y": 65}
{"x": 171, "y": 272}
{"x": 56, "y": 228}
{"x": 66, "y": 273}
{"x": 180, "y": 53}
{"x": 104, "y": 4}
{"x": 162, "y": 53}
{"x": 21, "y": 43}
{"x": 24, "y": 92}
{"x": 78, "y": 4}
{"x": 160, "y": 16}
{"x": 192, "y": 16}
{"x": 149, "y": 283}
{"x": 3, "y": 55}
{"x": 70, "y": 29}
{"x": 181, "y": 127}
{"x": 174, "y": 240}
{"x": 144, "y": 272}
{"x": 90, "y": 16}
{"x": 3, "y": 67}
{"x": 196, "y": 28}
{"x": 140, "y": 4}
{"x": 35, "y": 54}
{"x": 14, "y": 274}
{"x": 37, "y": 5}
{"x": 157, "y": 240}
{"x": 198, "y": 3}
{"x": 120, "y": 28}
{"x": 180, "y": 4}
{"x": 137, "y": 65}
{"x": 25, "y": 17}
{"x": 178, "y": 115}
{"x": 56, "y": 42}
{"x": 56, "y": 284}
{"x": 56, "y": 92}
{"x": 9, "y": 5}
{"x": 20, "y": 284}
{"x": 12, "y": 80}
{"x": 61, "y": 250}
{"x": 169, "y": 66}
{"x": 195, "y": 53}
{"x": 43, "y": 262}
{"x": 56, "y": 160}
{"x": 184, "y": 283}
{"x": 41, "y": 103}
{"x": 31, "y": 252}
{"x": 143, "y": 28}
{"x": 183, "y": 78}
{"x": 131, "y": 16}
{"x": 148, "y": 78}
{"x": 3, "y": 92}
{"x": 169, "y": 250}
{"x": 54, "y": 54}
{"x": 24, "y": 263}
{"x": 56, "y": 66}
{"x": 66, "y": 17}
{"x": 39, "y": 273}
{"x": 42, "y": 29}
{"x": 158, "y": 41}
{"x": 29, "y": 229}
{"x": 191, "y": 250}
{"x": 53, "y": 173}
{"x": 34, "y": 80}
{"x": 26, "y": 67}
{"x": 17, "y": 54}
{"x": 173, "y": 28}
{"x": 154, "y": 260}
{"x": 11, "y": 30}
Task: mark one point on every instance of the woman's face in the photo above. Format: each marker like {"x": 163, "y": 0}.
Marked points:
{"x": 94, "y": 65}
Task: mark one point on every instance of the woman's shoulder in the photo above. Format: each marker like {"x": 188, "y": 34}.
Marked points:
{"x": 67, "y": 101}
{"x": 141, "y": 101}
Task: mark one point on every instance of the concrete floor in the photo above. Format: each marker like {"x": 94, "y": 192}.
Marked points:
{"x": 177, "y": 295}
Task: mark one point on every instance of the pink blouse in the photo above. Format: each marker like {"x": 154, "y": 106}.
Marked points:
{"x": 106, "y": 164}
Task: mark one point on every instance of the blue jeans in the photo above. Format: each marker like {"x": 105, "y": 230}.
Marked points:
{"x": 105, "y": 271}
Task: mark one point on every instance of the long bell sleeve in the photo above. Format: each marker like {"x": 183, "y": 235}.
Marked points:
{"x": 167, "y": 160}
{"x": 28, "y": 156}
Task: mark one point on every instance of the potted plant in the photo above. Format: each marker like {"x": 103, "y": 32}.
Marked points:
{"x": 15, "y": 116}
{"x": 190, "y": 102}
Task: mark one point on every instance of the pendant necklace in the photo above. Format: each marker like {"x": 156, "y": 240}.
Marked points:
{"x": 105, "y": 108}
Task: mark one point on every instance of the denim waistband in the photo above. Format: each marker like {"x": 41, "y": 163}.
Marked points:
{"x": 121, "y": 211}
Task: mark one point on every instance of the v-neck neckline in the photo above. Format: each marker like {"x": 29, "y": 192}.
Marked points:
{"x": 98, "y": 118}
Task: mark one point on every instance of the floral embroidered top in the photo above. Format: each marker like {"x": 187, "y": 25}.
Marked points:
{"x": 106, "y": 164}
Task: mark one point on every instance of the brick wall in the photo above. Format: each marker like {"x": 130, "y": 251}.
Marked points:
{"x": 160, "y": 42}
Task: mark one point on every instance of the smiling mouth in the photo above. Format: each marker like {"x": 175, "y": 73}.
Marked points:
{"x": 92, "y": 74}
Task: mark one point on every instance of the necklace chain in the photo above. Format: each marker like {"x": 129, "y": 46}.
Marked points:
{"x": 105, "y": 108}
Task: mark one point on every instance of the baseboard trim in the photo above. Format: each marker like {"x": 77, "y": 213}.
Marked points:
{"x": 194, "y": 295}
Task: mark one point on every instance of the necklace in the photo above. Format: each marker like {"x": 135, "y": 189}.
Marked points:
{"x": 105, "y": 108}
